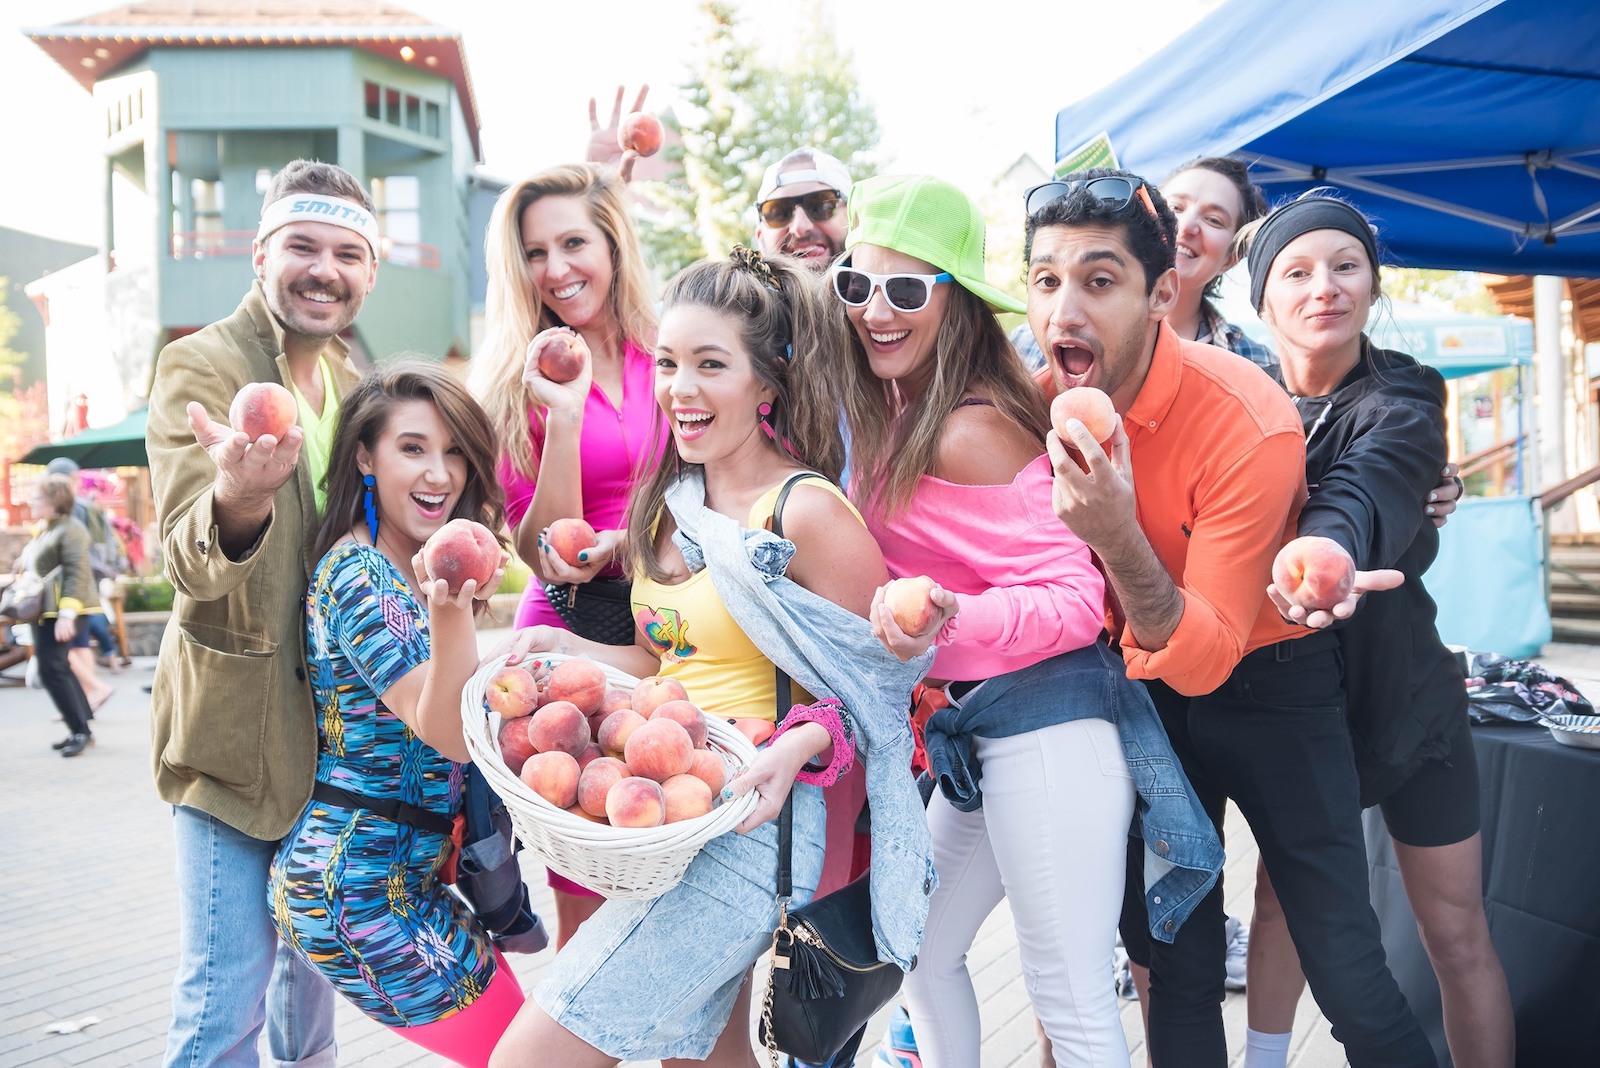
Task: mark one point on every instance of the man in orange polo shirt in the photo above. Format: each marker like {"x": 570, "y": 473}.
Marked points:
{"x": 1202, "y": 485}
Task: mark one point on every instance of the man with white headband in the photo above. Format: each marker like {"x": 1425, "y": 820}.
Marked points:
{"x": 233, "y": 726}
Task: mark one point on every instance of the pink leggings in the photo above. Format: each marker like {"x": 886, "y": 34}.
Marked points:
{"x": 469, "y": 1036}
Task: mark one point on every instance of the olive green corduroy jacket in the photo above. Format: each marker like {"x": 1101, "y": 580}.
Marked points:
{"x": 232, "y": 721}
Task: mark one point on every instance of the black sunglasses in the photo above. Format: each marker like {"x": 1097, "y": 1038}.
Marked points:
{"x": 1116, "y": 192}
{"x": 819, "y": 206}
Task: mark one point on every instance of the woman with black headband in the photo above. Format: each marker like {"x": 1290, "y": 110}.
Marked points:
{"x": 1375, "y": 427}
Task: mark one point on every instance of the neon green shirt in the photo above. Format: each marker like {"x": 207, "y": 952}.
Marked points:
{"x": 318, "y": 429}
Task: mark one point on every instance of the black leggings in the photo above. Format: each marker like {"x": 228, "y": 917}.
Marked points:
{"x": 1274, "y": 739}
{"x": 58, "y": 679}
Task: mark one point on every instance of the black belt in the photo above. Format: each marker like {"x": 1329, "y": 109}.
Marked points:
{"x": 958, "y": 690}
{"x": 1315, "y": 641}
{"x": 390, "y": 809}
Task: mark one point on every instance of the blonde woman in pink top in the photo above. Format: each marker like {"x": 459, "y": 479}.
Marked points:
{"x": 947, "y": 450}
{"x": 565, "y": 268}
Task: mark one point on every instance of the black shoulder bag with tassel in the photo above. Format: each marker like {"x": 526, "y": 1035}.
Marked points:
{"x": 827, "y": 981}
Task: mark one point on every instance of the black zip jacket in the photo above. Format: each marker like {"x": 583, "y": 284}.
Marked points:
{"x": 1374, "y": 449}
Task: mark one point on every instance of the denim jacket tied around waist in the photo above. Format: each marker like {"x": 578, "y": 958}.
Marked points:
{"x": 1182, "y": 855}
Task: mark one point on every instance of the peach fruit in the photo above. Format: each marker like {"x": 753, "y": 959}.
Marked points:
{"x": 1314, "y": 573}
{"x": 1090, "y": 406}
{"x": 636, "y": 802}
{"x": 616, "y": 729}
{"x": 641, "y": 132}
{"x": 616, "y": 698}
{"x": 515, "y": 746}
{"x": 580, "y": 681}
{"x": 263, "y": 408}
{"x": 569, "y": 537}
{"x": 654, "y": 691}
{"x": 659, "y": 750}
{"x": 512, "y": 693}
{"x": 596, "y": 782}
{"x": 687, "y": 716}
{"x": 554, "y": 777}
{"x": 559, "y": 727}
{"x": 590, "y": 754}
{"x": 910, "y": 600}
{"x": 462, "y": 550}
{"x": 577, "y": 810}
{"x": 561, "y": 358}
{"x": 709, "y": 768}
{"x": 686, "y": 797}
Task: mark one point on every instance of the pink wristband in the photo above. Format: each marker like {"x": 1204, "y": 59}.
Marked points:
{"x": 829, "y": 714}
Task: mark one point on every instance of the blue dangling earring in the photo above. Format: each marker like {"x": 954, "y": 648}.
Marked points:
{"x": 372, "y": 510}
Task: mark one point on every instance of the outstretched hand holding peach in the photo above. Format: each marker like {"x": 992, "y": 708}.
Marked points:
{"x": 460, "y": 563}
{"x": 605, "y": 142}
{"x": 566, "y": 557}
{"x": 248, "y": 469}
{"x": 908, "y": 613}
{"x": 1315, "y": 582}
{"x": 1097, "y": 504}
{"x": 558, "y": 370}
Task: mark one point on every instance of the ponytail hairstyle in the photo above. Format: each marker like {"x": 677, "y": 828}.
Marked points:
{"x": 787, "y": 326}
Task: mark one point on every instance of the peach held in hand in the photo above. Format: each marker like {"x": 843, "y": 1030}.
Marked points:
{"x": 658, "y": 750}
{"x": 910, "y": 600}
{"x": 559, "y": 727}
{"x": 636, "y": 802}
{"x": 554, "y": 777}
{"x": 1314, "y": 573}
{"x": 653, "y": 691}
{"x": 263, "y": 408}
{"x": 569, "y": 537}
{"x": 462, "y": 550}
{"x": 583, "y": 682}
{"x": 512, "y": 693}
{"x": 641, "y": 132}
{"x": 560, "y": 358}
{"x": 1087, "y": 405}
{"x": 515, "y": 746}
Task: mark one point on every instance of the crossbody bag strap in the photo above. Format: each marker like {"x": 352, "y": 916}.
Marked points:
{"x": 785, "y": 699}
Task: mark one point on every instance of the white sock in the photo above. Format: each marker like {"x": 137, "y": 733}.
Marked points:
{"x": 1266, "y": 1051}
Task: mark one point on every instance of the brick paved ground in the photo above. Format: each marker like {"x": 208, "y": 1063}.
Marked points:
{"x": 88, "y": 923}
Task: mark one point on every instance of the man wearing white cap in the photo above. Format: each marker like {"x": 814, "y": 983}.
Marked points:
{"x": 234, "y": 733}
{"x": 801, "y": 205}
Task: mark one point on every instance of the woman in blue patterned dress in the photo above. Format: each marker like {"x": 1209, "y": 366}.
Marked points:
{"x": 356, "y": 886}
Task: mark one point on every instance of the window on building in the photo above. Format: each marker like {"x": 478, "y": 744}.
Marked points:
{"x": 374, "y": 100}
{"x": 398, "y": 199}
{"x": 391, "y": 107}
{"x": 430, "y": 121}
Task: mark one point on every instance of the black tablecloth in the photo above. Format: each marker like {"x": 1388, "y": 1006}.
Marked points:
{"x": 1541, "y": 859}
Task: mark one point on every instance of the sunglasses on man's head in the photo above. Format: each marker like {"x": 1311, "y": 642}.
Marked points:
{"x": 819, "y": 206}
{"x": 905, "y": 292}
{"x": 1111, "y": 190}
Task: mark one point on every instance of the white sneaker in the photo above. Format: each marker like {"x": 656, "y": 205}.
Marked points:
{"x": 1238, "y": 946}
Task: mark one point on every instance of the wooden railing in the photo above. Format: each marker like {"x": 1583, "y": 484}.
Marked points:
{"x": 1561, "y": 491}
{"x": 1472, "y": 463}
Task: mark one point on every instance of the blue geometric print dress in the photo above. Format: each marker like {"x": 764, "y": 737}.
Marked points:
{"x": 353, "y": 893}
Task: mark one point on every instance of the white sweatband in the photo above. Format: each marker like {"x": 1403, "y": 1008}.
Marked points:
{"x": 314, "y": 207}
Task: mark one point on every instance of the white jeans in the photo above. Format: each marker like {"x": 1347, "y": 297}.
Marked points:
{"x": 1052, "y": 838}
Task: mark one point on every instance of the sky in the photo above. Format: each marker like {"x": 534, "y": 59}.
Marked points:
{"x": 956, "y": 95}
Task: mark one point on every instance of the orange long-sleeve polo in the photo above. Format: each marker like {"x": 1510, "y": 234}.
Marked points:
{"x": 1218, "y": 459}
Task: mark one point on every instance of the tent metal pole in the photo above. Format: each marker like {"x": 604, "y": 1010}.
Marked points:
{"x": 1548, "y": 291}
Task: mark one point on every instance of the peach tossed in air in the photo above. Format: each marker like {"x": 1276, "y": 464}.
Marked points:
{"x": 1314, "y": 573}
{"x": 462, "y": 550}
{"x": 910, "y": 600}
{"x": 263, "y": 408}
{"x": 641, "y": 132}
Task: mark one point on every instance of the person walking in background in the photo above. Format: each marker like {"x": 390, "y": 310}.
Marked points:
{"x": 232, "y": 721}
{"x": 356, "y": 888}
{"x": 70, "y": 598}
{"x": 566, "y": 272}
{"x": 106, "y": 561}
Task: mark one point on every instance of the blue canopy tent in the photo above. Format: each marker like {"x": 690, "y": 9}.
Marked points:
{"x": 1469, "y": 129}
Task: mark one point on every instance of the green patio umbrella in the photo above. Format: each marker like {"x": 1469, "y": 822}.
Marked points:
{"x": 118, "y": 445}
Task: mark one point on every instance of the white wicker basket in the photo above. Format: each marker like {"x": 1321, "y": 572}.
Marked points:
{"x": 611, "y": 861}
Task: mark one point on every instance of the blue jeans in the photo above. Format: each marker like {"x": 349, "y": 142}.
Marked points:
{"x": 234, "y": 975}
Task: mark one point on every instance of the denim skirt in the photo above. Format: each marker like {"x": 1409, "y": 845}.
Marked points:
{"x": 649, "y": 980}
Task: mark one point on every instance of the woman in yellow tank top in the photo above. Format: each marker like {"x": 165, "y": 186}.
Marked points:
{"x": 739, "y": 343}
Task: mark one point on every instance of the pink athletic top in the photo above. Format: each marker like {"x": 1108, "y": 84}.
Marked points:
{"x": 1026, "y": 585}
{"x": 610, "y": 444}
